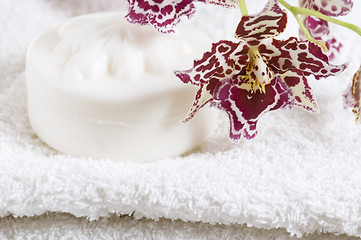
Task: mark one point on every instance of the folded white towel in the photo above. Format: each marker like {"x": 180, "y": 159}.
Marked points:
{"x": 301, "y": 173}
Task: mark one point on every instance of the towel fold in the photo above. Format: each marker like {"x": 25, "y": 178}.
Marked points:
{"x": 66, "y": 226}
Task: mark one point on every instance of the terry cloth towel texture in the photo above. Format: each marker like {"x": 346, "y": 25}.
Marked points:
{"x": 301, "y": 176}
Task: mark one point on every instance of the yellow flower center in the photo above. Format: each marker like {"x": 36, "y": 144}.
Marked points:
{"x": 258, "y": 74}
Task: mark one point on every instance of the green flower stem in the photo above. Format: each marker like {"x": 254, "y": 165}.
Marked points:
{"x": 243, "y": 7}
{"x": 309, "y": 12}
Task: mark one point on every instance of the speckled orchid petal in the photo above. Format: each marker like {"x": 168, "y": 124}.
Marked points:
{"x": 203, "y": 96}
{"x": 223, "y": 3}
{"x": 224, "y": 58}
{"x": 162, "y": 14}
{"x": 303, "y": 56}
{"x": 245, "y": 105}
{"x": 348, "y": 100}
{"x": 301, "y": 90}
{"x": 332, "y": 8}
{"x": 165, "y": 14}
{"x": 319, "y": 30}
{"x": 352, "y": 98}
{"x": 269, "y": 23}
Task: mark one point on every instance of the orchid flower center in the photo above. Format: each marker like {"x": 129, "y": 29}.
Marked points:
{"x": 257, "y": 72}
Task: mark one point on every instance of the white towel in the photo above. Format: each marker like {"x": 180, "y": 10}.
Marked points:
{"x": 301, "y": 173}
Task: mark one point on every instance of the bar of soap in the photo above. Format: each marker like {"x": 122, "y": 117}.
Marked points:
{"x": 100, "y": 87}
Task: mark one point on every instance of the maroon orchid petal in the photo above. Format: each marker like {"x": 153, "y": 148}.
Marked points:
{"x": 332, "y": 8}
{"x": 245, "y": 104}
{"x": 162, "y": 14}
{"x": 224, "y": 58}
{"x": 319, "y": 30}
{"x": 348, "y": 100}
{"x": 301, "y": 90}
{"x": 220, "y": 62}
{"x": 203, "y": 96}
{"x": 223, "y": 3}
{"x": 317, "y": 27}
{"x": 165, "y": 14}
{"x": 353, "y": 95}
{"x": 303, "y": 56}
{"x": 269, "y": 23}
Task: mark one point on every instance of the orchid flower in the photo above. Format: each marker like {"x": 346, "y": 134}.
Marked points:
{"x": 165, "y": 14}
{"x": 318, "y": 28}
{"x": 352, "y": 97}
{"x": 257, "y": 74}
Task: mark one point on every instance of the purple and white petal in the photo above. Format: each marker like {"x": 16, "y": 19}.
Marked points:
{"x": 352, "y": 97}
{"x": 162, "y": 14}
{"x": 319, "y": 30}
{"x": 224, "y": 58}
{"x": 303, "y": 56}
{"x": 348, "y": 100}
{"x": 302, "y": 92}
{"x": 269, "y": 23}
{"x": 223, "y": 3}
{"x": 245, "y": 105}
{"x": 203, "y": 96}
{"x": 220, "y": 62}
{"x": 333, "y": 8}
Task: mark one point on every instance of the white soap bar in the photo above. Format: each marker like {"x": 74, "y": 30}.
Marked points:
{"x": 101, "y": 87}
